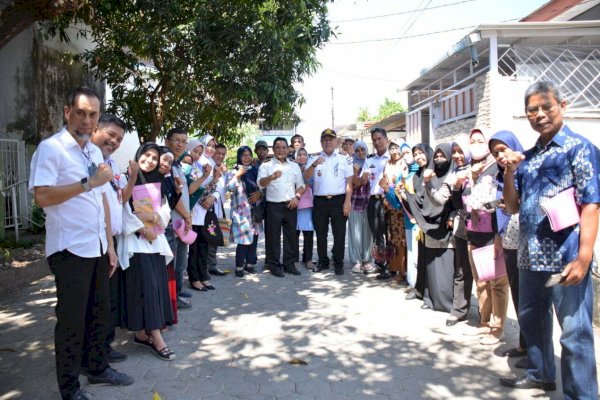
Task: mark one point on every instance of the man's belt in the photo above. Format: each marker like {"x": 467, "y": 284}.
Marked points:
{"x": 330, "y": 196}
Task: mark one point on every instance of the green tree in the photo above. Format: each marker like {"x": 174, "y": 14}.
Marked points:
{"x": 209, "y": 65}
{"x": 389, "y": 107}
{"x": 363, "y": 115}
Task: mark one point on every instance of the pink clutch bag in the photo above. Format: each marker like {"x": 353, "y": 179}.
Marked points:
{"x": 306, "y": 201}
{"x": 487, "y": 267}
{"x": 179, "y": 228}
{"x": 562, "y": 210}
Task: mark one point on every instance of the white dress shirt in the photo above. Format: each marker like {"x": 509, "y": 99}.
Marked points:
{"x": 375, "y": 166}
{"x": 76, "y": 225}
{"x": 330, "y": 177}
{"x": 283, "y": 188}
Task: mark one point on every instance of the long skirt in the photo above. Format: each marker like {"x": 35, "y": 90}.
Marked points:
{"x": 148, "y": 300}
{"x": 397, "y": 238}
{"x": 439, "y": 287}
{"x": 360, "y": 239}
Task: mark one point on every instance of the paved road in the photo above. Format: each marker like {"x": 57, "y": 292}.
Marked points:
{"x": 358, "y": 337}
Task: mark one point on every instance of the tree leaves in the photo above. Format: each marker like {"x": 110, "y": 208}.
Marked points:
{"x": 208, "y": 65}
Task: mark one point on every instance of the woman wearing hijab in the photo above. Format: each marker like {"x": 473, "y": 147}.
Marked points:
{"x": 305, "y": 211}
{"x": 508, "y": 227}
{"x": 245, "y": 195}
{"x": 479, "y": 188}
{"x": 360, "y": 238}
{"x": 394, "y": 170}
{"x": 422, "y": 156}
{"x": 145, "y": 253}
{"x": 198, "y": 255}
{"x": 432, "y": 217}
{"x": 394, "y": 197}
{"x": 463, "y": 278}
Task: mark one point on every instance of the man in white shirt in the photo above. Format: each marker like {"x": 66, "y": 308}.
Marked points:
{"x": 284, "y": 183}
{"x": 176, "y": 140}
{"x": 108, "y": 137}
{"x": 218, "y": 158}
{"x": 372, "y": 172}
{"x": 332, "y": 189}
{"x": 68, "y": 179}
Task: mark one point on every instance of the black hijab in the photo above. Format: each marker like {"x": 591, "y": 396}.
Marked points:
{"x": 430, "y": 217}
{"x": 152, "y": 176}
{"x": 251, "y": 175}
{"x": 170, "y": 189}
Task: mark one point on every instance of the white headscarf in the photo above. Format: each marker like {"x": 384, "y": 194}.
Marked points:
{"x": 204, "y": 140}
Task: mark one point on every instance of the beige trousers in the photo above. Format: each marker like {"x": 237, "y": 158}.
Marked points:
{"x": 493, "y": 298}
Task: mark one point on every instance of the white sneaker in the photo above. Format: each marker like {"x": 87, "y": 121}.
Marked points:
{"x": 369, "y": 268}
{"x": 357, "y": 269}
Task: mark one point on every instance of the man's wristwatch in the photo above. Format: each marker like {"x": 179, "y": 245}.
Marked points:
{"x": 86, "y": 184}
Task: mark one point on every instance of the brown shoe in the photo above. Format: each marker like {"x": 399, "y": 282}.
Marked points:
{"x": 494, "y": 337}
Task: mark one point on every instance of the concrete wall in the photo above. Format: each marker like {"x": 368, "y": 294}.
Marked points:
{"x": 35, "y": 80}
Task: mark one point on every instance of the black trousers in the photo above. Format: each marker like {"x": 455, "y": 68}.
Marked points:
{"x": 245, "y": 254}
{"x": 83, "y": 317}
{"x": 512, "y": 271}
{"x": 325, "y": 211}
{"x": 307, "y": 251}
{"x": 377, "y": 220}
{"x": 463, "y": 279}
{"x": 198, "y": 258}
{"x": 280, "y": 217}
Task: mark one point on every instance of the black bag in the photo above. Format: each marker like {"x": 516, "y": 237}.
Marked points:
{"x": 258, "y": 212}
{"x": 211, "y": 231}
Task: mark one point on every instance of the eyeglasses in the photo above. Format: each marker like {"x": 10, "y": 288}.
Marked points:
{"x": 534, "y": 110}
{"x": 178, "y": 141}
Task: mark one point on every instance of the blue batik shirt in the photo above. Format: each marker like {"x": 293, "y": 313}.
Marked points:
{"x": 568, "y": 160}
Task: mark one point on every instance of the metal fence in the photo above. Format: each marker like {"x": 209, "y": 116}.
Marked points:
{"x": 13, "y": 170}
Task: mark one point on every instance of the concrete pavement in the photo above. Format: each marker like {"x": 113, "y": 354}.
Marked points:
{"x": 249, "y": 339}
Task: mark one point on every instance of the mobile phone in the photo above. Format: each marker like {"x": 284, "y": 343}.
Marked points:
{"x": 492, "y": 204}
{"x": 554, "y": 279}
{"x": 247, "y": 167}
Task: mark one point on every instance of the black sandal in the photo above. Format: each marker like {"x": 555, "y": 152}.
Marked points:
{"x": 164, "y": 354}
{"x": 141, "y": 342}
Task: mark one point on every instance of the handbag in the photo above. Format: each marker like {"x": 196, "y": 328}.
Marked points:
{"x": 179, "y": 228}
{"x": 257, "y": 212}
{"x": 211, "y": 230}
{"x": 487, "y": 266}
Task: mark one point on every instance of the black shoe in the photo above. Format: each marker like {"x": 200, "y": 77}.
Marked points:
{"x": 79, "y": 396}
{"x": 292, "y": 270}
{"x": 239, "y": 272}
{"x": 522, "y": 363}
{"x": 183, "y": 305}
{"x": 452, "y": 320}
{"x": 277, "y": 271}
{"x": 110, "y": 377}
{"x": 514, "y": 352}
{"x": 217, "y": 272}
{"x": 250, "y": 270}
{"x": 339, "y": 271}
{"x": 411, "y": 295}
{"x": 200, "y": 289}
{"x": 184, "y": 294}
{"x": 115, "y": 356}
{"x": 526, "y": 383}
{"x": 320, "y": 267}
{"x": 384, "y": 274}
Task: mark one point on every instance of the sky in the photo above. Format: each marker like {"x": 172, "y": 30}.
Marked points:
{"x": 364, "y": 74}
